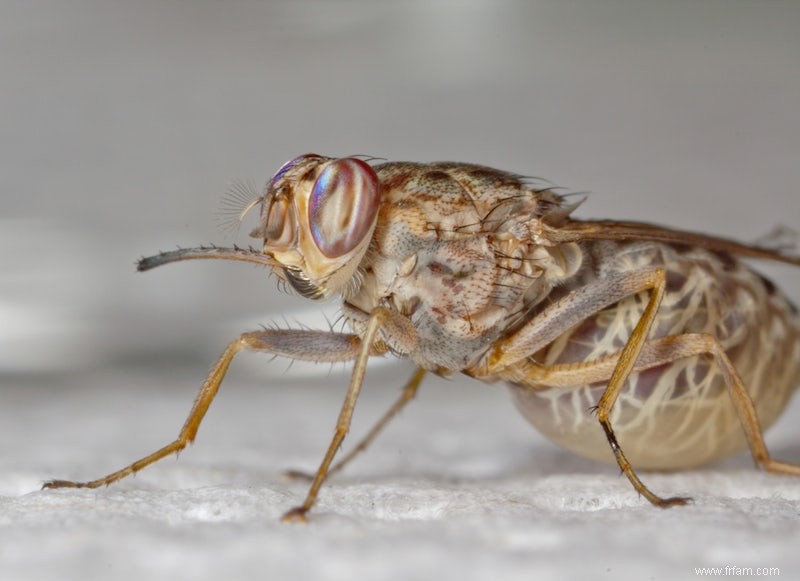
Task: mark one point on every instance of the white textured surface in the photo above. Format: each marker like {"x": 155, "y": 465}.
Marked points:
{"x": 458, "y": 488}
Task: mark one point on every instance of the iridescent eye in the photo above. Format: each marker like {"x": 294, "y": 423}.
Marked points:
{"x": 343, "y": 206}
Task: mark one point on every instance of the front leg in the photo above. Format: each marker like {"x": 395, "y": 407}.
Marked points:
{"x": 303, "y": 345}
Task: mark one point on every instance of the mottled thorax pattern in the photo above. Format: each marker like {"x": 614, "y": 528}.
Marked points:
{"x": 456, "y": 249}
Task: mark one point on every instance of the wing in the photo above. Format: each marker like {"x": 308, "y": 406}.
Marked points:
{"x": 571, "y": 230}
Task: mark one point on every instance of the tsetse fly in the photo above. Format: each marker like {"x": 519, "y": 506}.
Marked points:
{"x": 621, "y": 341}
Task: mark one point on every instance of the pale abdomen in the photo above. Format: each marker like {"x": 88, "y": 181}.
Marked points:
{"x": 678, "y": 415}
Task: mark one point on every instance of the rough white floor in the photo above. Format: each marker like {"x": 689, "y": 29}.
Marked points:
{"x": 458, "y": 488}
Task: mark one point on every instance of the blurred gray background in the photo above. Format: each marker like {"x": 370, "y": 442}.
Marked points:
{"x": 124, "y": 123}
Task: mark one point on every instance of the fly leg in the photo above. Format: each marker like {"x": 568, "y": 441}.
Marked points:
{"x": 404, "y": 337}
{"x": 304, "y": 345}
{"x": 408, "y": 393}
{"x": 571, "y": 310}
{"x": 624, "y": 367}
{"x": 743, "y": 404}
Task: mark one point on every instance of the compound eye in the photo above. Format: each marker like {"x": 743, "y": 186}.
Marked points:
{"x": 343, "y": 206}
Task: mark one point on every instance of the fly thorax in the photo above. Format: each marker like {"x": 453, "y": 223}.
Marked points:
{"x": 455, "y": 295}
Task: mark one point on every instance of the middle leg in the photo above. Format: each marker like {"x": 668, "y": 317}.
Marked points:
{"x": 409, "y": 392}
